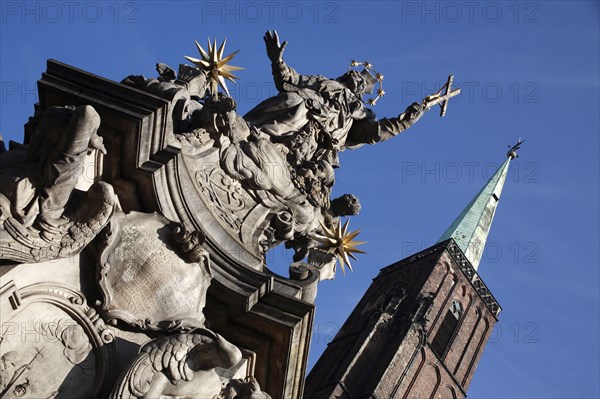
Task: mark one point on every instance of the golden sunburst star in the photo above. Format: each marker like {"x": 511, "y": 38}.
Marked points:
{"x": 339, "y": 242}
{"x": 216, "y": 66}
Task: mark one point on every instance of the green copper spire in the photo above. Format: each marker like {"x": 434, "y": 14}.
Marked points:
{"x": 471, "y": 227}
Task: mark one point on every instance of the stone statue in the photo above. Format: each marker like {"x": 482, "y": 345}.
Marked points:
{"x": 312, "y": 119}
{"x": 329, "y": 112}
{"x": 260, "y": 164}
{"x": 345, "y": 205}
{"x": 39, "y": 206}
{"x": 204, "y": 192}
{"x": 286, "y": 148}
{"x": 178, "y": 366}
{"x": 154, "y": 275}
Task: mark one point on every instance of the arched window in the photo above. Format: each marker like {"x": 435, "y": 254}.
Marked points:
{"x": 444, "y": 335}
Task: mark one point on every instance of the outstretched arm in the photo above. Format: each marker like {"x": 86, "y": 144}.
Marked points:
{"x": 371, "y": 131}
{"x": 285, "y": 77}
{"x": 282, "y": 73}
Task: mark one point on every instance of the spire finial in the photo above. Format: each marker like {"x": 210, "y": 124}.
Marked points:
{"x": 512, "y": 152}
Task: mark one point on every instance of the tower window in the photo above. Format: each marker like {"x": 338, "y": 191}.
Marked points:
{"x": 444, "y": 335}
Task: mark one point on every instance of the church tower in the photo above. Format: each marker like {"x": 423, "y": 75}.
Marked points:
{"x": 421, "y": 327}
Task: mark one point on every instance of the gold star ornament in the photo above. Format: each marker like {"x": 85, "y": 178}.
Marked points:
{"x": 339, "y": 242}
{"x": 215, "y": 65}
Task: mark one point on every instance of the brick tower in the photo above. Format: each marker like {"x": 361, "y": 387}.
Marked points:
{"x": 420, "y": 329}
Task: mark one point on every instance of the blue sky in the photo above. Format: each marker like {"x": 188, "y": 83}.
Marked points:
{"x": 527, "y": 69}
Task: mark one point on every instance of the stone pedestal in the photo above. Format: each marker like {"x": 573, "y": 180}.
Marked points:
{"x": 71, "y": 326}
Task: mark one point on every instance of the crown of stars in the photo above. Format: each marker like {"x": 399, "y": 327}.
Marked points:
{"x": 378, "y": 78}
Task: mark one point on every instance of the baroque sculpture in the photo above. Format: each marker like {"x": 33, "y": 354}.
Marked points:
{"x": 285, "y": 150}
{"x": 167, "y": 284}
{"x": 41, "y": 218}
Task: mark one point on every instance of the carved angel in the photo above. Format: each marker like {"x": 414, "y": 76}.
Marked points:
{"x": 178, "y": 366}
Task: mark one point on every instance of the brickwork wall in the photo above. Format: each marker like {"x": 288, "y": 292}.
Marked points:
{"x": 385, "y": 349}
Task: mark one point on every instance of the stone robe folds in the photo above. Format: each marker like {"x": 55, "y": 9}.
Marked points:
{"x": 337, "y": 111}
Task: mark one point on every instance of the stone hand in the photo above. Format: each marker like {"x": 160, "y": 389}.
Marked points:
{"x": 415, "y": 110}
{"x": 274, "y": 49}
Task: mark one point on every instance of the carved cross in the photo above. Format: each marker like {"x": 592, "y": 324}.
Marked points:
{"x": 442, "y": 99}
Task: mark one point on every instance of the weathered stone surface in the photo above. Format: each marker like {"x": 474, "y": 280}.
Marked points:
{"x": 167, "y": 239}
{"x": 180, "y": 365}
{"x": 272, "y": 326}
{"x": 144, "y": 281}
{"x": 53, "y": 344}
{"x": 42, "y": 216}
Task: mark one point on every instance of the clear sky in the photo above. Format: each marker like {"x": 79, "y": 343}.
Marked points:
{"x": 527, "y": 69}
